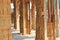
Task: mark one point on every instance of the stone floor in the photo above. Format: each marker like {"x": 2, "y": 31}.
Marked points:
{"x": 17, "y": 36}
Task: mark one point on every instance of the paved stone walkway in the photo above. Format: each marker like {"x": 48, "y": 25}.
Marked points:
{"x": 17, "y": 36}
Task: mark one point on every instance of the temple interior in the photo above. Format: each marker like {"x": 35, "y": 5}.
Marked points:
{"x": 29, "y": 19}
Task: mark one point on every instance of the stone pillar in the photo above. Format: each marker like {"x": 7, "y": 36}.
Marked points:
{"x": 40, "y": 33}
{"x": 5, "y": 20}
{"x": 53, "y": 18}
{"x": 27, "y": 16}
{"x": 21, "y": 16}
{"x": 51, "y": 24}
{"x": 28, "y": 29}
{"x": 57, "y": 18}
{"x": 33, "y": 10}
{"x": 16, "y": 14}
{"x": 24, "y": 17}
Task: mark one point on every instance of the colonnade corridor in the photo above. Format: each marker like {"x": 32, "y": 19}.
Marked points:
{"x": 29, "y": 19}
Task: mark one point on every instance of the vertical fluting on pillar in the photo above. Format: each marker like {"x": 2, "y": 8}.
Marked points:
{"x": 27, "y": 16}
{"x": 5, "y": 20}
{"x": 54, "y": 20}
{"x": 54, "y": 23}
{"x": 24, "y": 19}
{"x": 40, "y": 33}
{"x": 51, "y": 24}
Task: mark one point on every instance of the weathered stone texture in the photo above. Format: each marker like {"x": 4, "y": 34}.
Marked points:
{"x": 40, "y": 33}
{"x": 5, "y": 20}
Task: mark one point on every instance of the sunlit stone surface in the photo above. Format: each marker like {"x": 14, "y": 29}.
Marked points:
{"x": 25, "y": 37}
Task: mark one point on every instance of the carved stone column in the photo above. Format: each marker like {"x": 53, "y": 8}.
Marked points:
{"x": 51, "y": 24}
{"x": 53, "y": 18}
{"x": 5, "y": 20}
{"x": 57, "y": 18}
{"x": 28, "y": 29}
{"x": 21, "y": 16}
{"x": 33, "y": 9}
{"x": 40, "y": 33}
{"x": 24, "y": 17}
{"x": 27, "y": 16}
{"x": 16, "y": 14}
